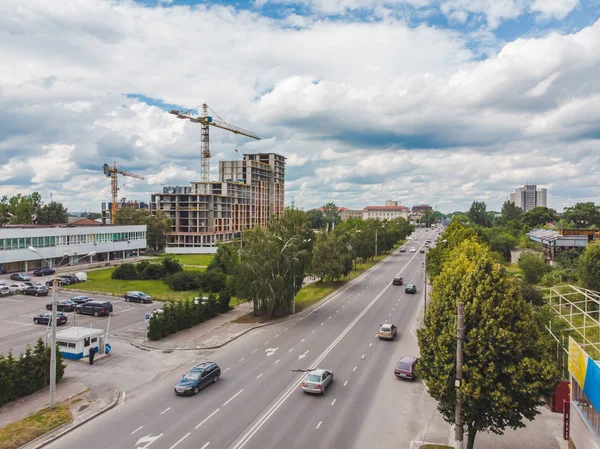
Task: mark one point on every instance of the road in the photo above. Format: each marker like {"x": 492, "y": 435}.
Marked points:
{"x": 258, "y": 403}
{"x": 18, "y": 330}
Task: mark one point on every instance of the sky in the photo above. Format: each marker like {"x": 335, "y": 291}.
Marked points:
{"x": 418, "y": 101}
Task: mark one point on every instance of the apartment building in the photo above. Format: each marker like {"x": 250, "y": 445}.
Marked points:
{"x": 529, "y": 196}
{"x": 249, "y": 192}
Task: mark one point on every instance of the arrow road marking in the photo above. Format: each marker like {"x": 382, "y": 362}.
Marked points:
{"x": 270, "y": 351}
{"x": 148, "y": 439}
{"x": 301, "y": 356}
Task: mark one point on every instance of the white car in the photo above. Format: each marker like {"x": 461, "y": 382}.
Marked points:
{"x": 412, "y": 250}
{"x": 17, "y": 287}
{"x": 2, "y": 282}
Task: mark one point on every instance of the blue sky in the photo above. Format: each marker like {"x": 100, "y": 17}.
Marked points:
{"x": 418, "y": 101}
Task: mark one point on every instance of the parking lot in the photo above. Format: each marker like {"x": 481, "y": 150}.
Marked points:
{"x": 17, "y": 328}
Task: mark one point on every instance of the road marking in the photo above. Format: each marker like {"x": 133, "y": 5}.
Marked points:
{"x": 242, "y": 359}
{"x": 208, "y": 417}
{"x": 139, "y": 428}
{"x": 337, "y": 311}
{"x": 390, "y": 314}
{"x": 232, "y": 398}
{"x": 276, "y": 362}
{"x": 302, "y": 340}
{"x": 259, "y": 376}
{"x": 206, "y": 445}
{"x": 285, "y": 329}
{"x": 291, "y": 350}
{"x": 265, "y": 343}
{"x": 319, "y": 425}
{"x": 301, "y": 356}
{"x": 276, "y": 335}
{"x": 183, "y": 438}
{"x": 227, "y": 369}
{"x": 393, "y": 308}
{"x": 333, "y": 402}
{"x": 270, "y": 351}
{"x": 345, "y": 383}
{"x": 294, "y": 323}
{"x": 148, "y": 439}
{"x": 314, "y": 330}
{"x": 370, "y": 344}
{"x": 322, "y": 324}
{"x": 362, "y": 357}
{"x": 254, "y": 351}
{"x": 165, "y": 410}
{"x": 354, "y": 369}
{"x": 329, "y": 318}
{"x": 343, "y": 306}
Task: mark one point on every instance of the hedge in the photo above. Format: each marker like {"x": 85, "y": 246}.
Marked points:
{"x": 145, "y": 270}
{"x": 28, "y": 373}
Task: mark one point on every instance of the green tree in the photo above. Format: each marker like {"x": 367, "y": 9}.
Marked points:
{"x": 93, "y": 215}
{"x": 331, "y": 215}
{"x": 51, "y": 213}
{"x": 508, "y": 367}
{"x": 510, "y": 212}
{"x": 226, "y": 259}
{"x": 316, "y": 218}
{"x": 157, "y": 226}
{"x": 539, "y": 216}
{"x": 588, "y": 267}
{"x": 327, "y": 258}
{"x": 478, "y": 214}
{"x": 533, "y": 267}
{"x": 21, "y": 208}
{"x": 582, "y": 215}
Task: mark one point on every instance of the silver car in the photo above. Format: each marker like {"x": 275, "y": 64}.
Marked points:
{"x": 317, "y": 380}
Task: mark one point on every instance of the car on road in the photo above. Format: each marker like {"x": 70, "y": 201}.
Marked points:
{"x": 403, "y": 250}
{"x": 410, "y": 288}
{"x": 81, "y": 299}
{"x": 44, "y": 271}
{"x": 2, "y": 282}
{"x": 36, "y": 290}
{"x": 20, "y": 277}
{"x": 66, "y": 305}
{"x": 422, "y": 250}
{"x": 4, "y": 290}
{"x": 17, "y": 287}
{"x": 412, "y": 250}
{"x": 406, "y": 368}
{"x": 96, "y": 308}
{"x": 397, "y": 281}
{"x": 197, "y": 378}
{"x": 317, "y": 381}
{"x": 138, "y": 297}
{"x": 45, "y": 318}
{"x": 387, "y": 332}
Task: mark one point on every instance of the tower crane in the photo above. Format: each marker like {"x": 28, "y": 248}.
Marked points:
{"x": 112, "y": 172}
{"x": 207, "y": 121}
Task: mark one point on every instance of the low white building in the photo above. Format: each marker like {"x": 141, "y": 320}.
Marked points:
{"x": 385, "y": 212}
{"x": 53, "y": 241}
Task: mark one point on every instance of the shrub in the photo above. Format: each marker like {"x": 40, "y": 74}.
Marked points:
{"x": 213, "y": 280}
{"x": 125, "y": 271}
{"x": 184, "y": 280}
{"x": 533, "y": 266}
{"x": 155, "y": 327}
{"x": 152, "y": 271}
{"x": 224, "y": 299}
{"x": 532, "y": 295}
{"x": 171, "y": 266}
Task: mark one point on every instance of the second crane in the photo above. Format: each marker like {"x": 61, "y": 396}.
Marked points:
{"x": 207, "y": 121}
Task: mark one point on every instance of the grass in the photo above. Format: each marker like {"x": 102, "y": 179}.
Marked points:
{"x": 514, "y": 270}
{"x": 435, "y": 446}
{"x": 101, "y": 281}
{"x": 199, "y": 260}
{"x": 28, "y": 429}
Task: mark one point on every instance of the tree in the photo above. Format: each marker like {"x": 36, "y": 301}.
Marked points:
{"x": 51, "y": 213}
{"x": 226, "y": 259}
{"x": 539, "y": 216}
{"x": 157, "y": 226}
{"x": 507, "y": 368}
{"x": 316, "y": 218}
{"x": 478, "y": 215}
{"x": 326, "y": 259}
{"x": 93, "y": 215}
{"x": 588, "y": 267}
{"x": 582, "y": 215}
{"x": 510, "y": 212}
{"x": 331, "y": 215}
{"x": 533, "y": 267}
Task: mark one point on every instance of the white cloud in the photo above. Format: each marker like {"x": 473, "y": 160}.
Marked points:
{"x": 558, "y": 9}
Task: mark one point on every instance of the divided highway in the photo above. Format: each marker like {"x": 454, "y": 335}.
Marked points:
{"x": 258, "y": 403}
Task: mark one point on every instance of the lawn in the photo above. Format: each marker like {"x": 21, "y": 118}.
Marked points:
{"x": 21, "y": 432}
{"x": 101, "y": 281}
{"x": 199, "y": 260}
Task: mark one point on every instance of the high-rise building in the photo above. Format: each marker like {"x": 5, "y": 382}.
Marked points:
{"x": 529, "y": 196}
{"x": 249, "y": 192}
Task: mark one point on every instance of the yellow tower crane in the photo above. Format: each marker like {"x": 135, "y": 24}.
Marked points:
{"x": 112, "y": 173}
{"x": 207, "y": 121}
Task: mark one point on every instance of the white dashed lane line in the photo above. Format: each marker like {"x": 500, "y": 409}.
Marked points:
{"x": 345, "y": 383}
{"x": 276, "y": 362}
{"x": 206, "y": 445}
{"x": 183, "y": 438}
{"x": 165, "y": 410}
{"x": 354, "y": 368}
{"x": 139, "y": 428}
{"x": 232, "y": 397}
{"x": 266, "y": 343}
{"x": 333, "y": 402}
{"x": 241, "y": 360}
{"x": 207, "y": 418}
{"x": 302, "y": 340}
{"x": 254, "y": 351}
{"x": 259, "y": 376}
{"x": 227, "y": 369}
{"x": 319, "y": 425}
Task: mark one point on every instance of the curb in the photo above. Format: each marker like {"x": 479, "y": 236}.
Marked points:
{"x": 69, "y": 429}
{"x": 270, "y": 323}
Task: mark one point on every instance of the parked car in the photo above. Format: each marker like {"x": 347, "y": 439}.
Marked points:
{"x": 45, "y": 271}
{"x": 2, "y": 282}
{"x": 406, "y": 368}
{"x": 20, "y": 277}
{"x": 81, "y": 299}
{"x": 66, "y": 305}
{"x": 387, "y": 332}
{"x": 96, "y": 308}
{"x": 4, "y": 290}
{"x": 82, "y": 277}
{"x": 397, "y": 281}
{"x": 70, "y": 279}
{"x": 36, "y": 290}
{"x": 197, "y": 378}
{"x": 410, "y": 288}
{"x": 45, "y": 318}
{"x": 138, "y": 297}
{"x": 317, "y": 381}
{"x": 18, "y": 287}
{"x": 59, "y": 280}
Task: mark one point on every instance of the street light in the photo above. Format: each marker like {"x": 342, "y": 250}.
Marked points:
{"x": 54, "y": 302}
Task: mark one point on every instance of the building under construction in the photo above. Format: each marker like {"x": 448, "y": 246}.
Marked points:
{"x": 249, "y": 192}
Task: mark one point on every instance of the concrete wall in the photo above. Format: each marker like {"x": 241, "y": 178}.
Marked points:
{"x": 191, "y": 250}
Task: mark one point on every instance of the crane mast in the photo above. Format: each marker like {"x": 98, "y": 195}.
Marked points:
{"x": 112, "y": 173}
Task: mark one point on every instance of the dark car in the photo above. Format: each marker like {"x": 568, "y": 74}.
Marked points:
{"x": 403, "y": 249}
{"x": 138, "y": 297}
{"x": 406, "y": 368}
{"x": 66, "y": 305}
{"x": 421, "y": 250}
{"x": 70, "y": 279}
{"x": 45, "y": 318}
{"x": 398, "y": 281}
{"x": 20, "y": 277}
{"x": 36, "y": 290}
{"x": 81, "y": 299}
{"x": 95, "y": 308}
{"x": 60, "y": 282}
{"x": 410, "y": 288}
{"x": 45, "y": 271}
{"x": 197, "y": 378}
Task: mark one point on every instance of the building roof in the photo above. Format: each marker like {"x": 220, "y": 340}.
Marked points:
{"x": 83, "y": 222}
{"x": 75, "y": 333}
{"x": 387, "y": 208}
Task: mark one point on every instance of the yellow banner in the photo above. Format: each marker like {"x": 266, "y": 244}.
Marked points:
{"x": 578, "y": 359}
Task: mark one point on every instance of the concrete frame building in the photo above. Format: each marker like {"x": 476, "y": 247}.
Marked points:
{"x": 249, "y": 192}
{"x": 529, "y": 196}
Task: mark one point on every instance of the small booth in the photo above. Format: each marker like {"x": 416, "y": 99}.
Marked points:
{"x": 75, "y": 342}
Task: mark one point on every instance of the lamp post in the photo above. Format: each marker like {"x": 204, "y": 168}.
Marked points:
{"x": 53, "y": 318}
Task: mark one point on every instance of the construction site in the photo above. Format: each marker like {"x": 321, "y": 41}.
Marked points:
{"x": 247, "y": 194}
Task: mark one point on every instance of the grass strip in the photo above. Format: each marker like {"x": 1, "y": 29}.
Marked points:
{"x": 35, "y": 425}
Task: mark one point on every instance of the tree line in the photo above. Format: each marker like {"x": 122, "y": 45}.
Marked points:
{"x": 30, "y": 209}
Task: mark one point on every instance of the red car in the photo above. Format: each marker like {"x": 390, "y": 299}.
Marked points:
{"x": 406, "y": 368}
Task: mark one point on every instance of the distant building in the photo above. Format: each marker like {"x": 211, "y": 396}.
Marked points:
{"x": 529, "y": 196}
{"x": 106, "y": 208}
{"x": 422, "y": 208}
{"x": 385, "y": 212}
{"x": 346, "y": 213}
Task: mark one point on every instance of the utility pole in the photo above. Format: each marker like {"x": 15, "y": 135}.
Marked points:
{"x": 424, "y": 287}
{"x": 460, "y": 335}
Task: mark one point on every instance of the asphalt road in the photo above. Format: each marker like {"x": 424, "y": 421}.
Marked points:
{"x": 17, "y": 329}
{"x": 258, "y": 403}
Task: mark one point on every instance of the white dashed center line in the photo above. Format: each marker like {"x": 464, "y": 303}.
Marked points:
{"x": 139, "y": 428}
{"x": 333, "y": 402}
{"x": 165, "y": 410}
{"x": 232, "y": 398}
{"x": 259, "y": 376}
{"x": 319, "y": 425}
{"x": 208, "y": 417}
{"x": 183, "y": 438}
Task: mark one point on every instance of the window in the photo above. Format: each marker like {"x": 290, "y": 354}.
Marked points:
{"x": 62, "y": 343}
{"x": 94, "y": 340}
{"x": 71, "y": 345}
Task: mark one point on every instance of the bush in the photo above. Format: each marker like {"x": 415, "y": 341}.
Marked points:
{"x": 532, "y": 295}
{"x": 171, "y": 266}
{"x": 125, "y": 271}
{"x": 213, "y": 280}
{"x": 185, "y": 280}
{"x": 152, "y": 271}
{"x": 533, "y": 266}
